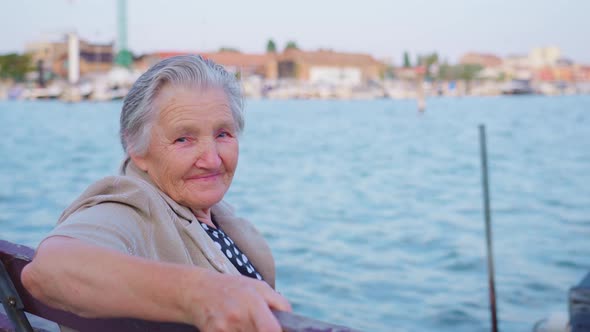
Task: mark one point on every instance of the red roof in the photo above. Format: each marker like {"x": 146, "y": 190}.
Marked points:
{"x": 330, "y": 58}
{"x": 226, "y": 58}
{"x": 237, "y": 59}
{"x": 165, "y": 55}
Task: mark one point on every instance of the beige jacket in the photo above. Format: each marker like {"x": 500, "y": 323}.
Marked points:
{"x": 130, "y": 214}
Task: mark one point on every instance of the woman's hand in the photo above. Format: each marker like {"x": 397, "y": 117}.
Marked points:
{"x": 220, "y": 302}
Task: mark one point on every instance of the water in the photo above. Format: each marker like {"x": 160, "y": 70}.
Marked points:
{"x": 373, "y": 211}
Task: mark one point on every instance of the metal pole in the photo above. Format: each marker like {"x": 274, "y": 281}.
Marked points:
{"x": 486, "y": 202}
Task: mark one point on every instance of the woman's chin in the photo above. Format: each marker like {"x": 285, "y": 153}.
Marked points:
{"x": 204, "y": 201}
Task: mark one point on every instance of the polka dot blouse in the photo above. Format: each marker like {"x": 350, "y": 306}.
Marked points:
{"x": 231, "y": 251}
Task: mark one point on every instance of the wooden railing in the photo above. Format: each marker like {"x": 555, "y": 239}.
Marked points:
{"x": 14, "y": 257}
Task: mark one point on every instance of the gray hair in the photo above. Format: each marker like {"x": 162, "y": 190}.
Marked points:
{"x": 138, "y": 113}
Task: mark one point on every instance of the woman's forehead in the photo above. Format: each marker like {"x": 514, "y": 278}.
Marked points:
{"x": 184, "y": 108}
{"x": 189, "y": 94}
{"x": 173, "y": 100}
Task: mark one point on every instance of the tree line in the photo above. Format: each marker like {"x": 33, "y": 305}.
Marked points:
{"x": 15, "y": 66}
{"x": 435, "y": 69}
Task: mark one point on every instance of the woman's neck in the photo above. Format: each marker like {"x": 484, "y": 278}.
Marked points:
{"x": 204, "y": 216}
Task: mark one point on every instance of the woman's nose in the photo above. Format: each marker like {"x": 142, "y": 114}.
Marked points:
{"x": 208, "y": 156}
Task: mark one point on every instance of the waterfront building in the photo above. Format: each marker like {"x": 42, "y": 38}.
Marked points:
{"x": 540, "y": 57}
{"x": 53, "y": 56}
{"x": 322, "y": 66}
{"x": 485, "y": 60}
{"x": 517, "y": 67}
{"x": 329, "y": 67}
{"x": 243, "y": 64}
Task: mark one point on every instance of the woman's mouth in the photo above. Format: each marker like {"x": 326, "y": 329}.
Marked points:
{"x": 204, "y": 177}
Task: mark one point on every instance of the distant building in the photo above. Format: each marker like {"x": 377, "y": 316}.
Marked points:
{"x": 517, "y": 62}
{"x": 544, "y": 74}
{"x": 53, "y": 56}
{"x": 96, "y": 57}
{"x": 46, "y": 54}
{"x": 564, "y": 62}
{"x": 246, "y": 64}
{"x": 316, "y": 67}
{"x": 564, "y": 74}
{"x": 544, "y": 57}
{"x": 554, "y": 74}
{"x": 563, "y": 70}
{"x": 143, "y": 62}
{"x": 491, "y": 64}
{"x": 263, "y": 65}
{"x": 325, "y": 66}
{"x": 409, "y": 73}
{"x": 482, "y": 59}
{"x": 582, "y": 74}
{"x": 517, "y": 67}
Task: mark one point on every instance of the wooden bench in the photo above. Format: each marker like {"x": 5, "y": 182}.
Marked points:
{"x": 16, "y": 301}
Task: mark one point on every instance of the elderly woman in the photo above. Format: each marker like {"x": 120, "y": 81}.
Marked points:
{"x": 157, "y": 242}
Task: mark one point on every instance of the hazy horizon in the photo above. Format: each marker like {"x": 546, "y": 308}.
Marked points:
{"x": 384, "y": 29}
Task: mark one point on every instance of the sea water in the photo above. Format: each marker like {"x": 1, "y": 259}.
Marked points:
{"x": 373, "y": 210}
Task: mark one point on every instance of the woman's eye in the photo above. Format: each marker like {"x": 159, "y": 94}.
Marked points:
{"x": 223, "y": 134}
{"x": 181, "y": 140}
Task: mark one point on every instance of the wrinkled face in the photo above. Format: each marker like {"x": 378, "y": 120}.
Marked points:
{"x": 193, "y": 151}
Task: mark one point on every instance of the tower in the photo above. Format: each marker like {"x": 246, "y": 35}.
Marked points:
{"x": 73, "y": 58}
{"x": 124, "y": 57}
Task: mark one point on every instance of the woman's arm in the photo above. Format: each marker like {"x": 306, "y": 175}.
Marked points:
{"x": 92, "y": 281}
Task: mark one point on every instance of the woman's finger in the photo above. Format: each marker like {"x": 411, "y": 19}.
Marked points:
{"x": 275, "y": 300}
{"x": 263, "y": 320}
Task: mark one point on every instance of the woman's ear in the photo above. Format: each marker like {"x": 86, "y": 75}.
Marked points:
{"x": 139, "y": 161}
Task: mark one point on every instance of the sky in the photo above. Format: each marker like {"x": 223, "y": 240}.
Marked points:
{"x": 382, "y": 28}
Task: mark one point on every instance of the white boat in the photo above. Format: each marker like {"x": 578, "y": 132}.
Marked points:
{"x": 518, "y": 87}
